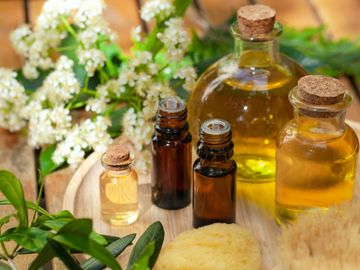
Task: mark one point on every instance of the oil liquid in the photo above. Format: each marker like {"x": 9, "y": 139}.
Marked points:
{"x": 119, "y": 197}
{"x": 314, "y": 171}
{"x": 252, "y": 95}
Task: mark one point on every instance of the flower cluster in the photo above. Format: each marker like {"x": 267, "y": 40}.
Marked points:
{"x": 81, "y": 138}
{"x": 52, "y": 26}
{"x": 12, "y": 99}
{"x": 76, "y": 29}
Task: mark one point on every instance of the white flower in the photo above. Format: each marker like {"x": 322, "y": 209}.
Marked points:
{"x": 92, "y": 59}
{"x": 143, "y": 162}
{"x": 189, "y": 74}
{"x": 29, "y": 71}
{"x": 142, "y": 83}
{"x": 91, "y": 33}
{"x": 136, "y": 34}
{"x": 175, "y": 39}
{"x": 22, "y": 38}
{"x": 61, "y": 84}
{"x": 156, "y": 8}
{"x": 88, "y": 12}
{"x": 110, "y": 87}
{"x": 12, "y": 100}
{"x": 49, "y": 126}
{"x": 140, "y": 58}
{"x": 96, "y": 105}
{"x": 128, "y": 76}
{"x": 51, "y": 12}
{"x": 89, "y": 134}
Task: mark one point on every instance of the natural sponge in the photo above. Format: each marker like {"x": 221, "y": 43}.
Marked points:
{"x": 217, "y": 246}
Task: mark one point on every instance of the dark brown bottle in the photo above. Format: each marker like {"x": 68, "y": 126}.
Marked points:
{"x": 171, "y": 156}
{"x": 214, "y": 193}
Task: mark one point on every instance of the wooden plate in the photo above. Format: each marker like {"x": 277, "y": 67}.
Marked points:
{"x": 82, "y": 198}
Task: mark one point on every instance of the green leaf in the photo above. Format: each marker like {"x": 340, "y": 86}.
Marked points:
{"x": 4, "y": 266}
{"x": 115, "y": 249}
{"x": 152, "y": 43}
{"x": 32, "y": 238}
{"x": 29, "y": 205}
{"x": 76, "y": 235}
{"x": 47, "y": 165}
{"x": 143, "y": 261}
{"x": 12, "y": 189}
{"x": 155, "y": 233}
{"x": 4, "y": 220}
{"x": 45, "y": 255}
{"x": 32, "y": 85}
{"x": 116, "y": 119}
{"x": 64, "y": 256}
{"x": 98, "y": 238}
{"x": 181, "y": 7}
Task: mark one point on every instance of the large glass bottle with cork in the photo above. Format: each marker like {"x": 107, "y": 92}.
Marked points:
{"x": 249, "y": 89}
{"x": 316, "y": 155}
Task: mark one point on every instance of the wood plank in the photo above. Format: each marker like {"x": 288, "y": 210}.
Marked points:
{"x": 10, "y": 17}
{"x": 294, "y": 13}
{"x": 341, "y": 17}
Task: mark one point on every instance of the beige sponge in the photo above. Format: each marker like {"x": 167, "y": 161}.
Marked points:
{"x": 217, "y": 246}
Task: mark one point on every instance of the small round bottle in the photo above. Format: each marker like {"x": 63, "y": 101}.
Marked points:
{"x": 171, "y": 156}
{"x": 214, "y": 174}
{"x": 118, "y": 187}
{"x": 316, "y": 155}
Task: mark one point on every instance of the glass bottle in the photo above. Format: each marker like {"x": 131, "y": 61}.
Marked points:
{"x": 317, "y": 151}
{"x": 171, "y": 156}
{"x": 214, "y": 175}
{"x": 118, "y": 187}
{"x": 249, "y": 89}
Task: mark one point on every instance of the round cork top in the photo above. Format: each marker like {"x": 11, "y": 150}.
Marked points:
{"x": 320, "y": 90}
{"x": 256, "y": 19}
{"x": 117, "y": 154}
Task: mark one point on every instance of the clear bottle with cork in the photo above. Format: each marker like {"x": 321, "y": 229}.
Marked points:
{"x": 171, "y": 156}
{"x": 119, "y": 187}
{"x": 317, "y": 151}
{"x": 214, "y": 175}
{"x": 249, "y": 89}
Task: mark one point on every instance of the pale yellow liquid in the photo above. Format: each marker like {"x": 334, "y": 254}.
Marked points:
{"x": 119, "y": 197}
{"x": 314, "y": 171}
{"x": 254, "y": 100}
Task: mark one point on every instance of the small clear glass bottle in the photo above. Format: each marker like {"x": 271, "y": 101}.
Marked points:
{"x": 119, "y": 187}
{"x": 214, "y": 175}
{"x": 316, "y": 155}
{"x": 171, "y": 156}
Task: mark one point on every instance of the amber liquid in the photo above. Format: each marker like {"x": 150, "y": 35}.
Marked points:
{"x": 254, "y": 100}
{"x": 119, "y": 197}
{"x": 214, "y": 195}
{"x": 314, "y": 171}
{"x": 171, "y": 172}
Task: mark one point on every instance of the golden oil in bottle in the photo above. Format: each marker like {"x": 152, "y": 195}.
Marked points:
{"x": 119, "y": 187}
{"x": 249, "y": 89}
{"x": 316, "y": 154}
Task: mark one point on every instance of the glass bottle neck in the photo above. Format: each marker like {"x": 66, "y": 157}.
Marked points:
{"x": 323, "y": 124}
{"x": 257, "y": 53}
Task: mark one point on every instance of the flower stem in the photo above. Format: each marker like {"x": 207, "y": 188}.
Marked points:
{"x": 68, "y": 27}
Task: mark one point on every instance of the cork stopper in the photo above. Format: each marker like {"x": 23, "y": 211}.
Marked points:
{"x": 320, "y": 90}
{"x": 117, "y": 154}
{"x": 256, "y": 19}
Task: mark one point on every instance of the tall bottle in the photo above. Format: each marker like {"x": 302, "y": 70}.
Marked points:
{"x": 316, "y": 154}
{"x": 214, "y": 174}
{"x": 171, "y": 156}
{"x": 118, "y": 187}
{"x": 249, "y": 89}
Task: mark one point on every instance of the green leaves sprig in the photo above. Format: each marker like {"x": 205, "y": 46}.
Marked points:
{"x": 61, "y": 234}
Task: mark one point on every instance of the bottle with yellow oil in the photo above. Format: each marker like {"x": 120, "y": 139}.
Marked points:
{"x": 316, "y": 153}
{"x": 249, "y": 89}
{"x": 118, "y": 187}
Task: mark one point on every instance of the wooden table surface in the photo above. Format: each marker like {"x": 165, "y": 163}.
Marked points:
{"x": 341, "y": 18}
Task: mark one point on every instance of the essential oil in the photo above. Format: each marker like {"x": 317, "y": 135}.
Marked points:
{"x": 316, "y": 154}
{"x": 214, "y": 174}
{"x": 119, "y": 187}
{"x": 171, "y": 156}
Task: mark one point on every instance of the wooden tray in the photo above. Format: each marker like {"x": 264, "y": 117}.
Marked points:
{"x": 82, "y": 198}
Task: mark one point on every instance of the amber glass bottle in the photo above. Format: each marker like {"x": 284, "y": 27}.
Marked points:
{"x": 214, "y": 174}
{"x": 316, "y": 152}
{"x": 249, "y": 89}
{"x": 171, "y": 156}
{"x": 118, "y": 187}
